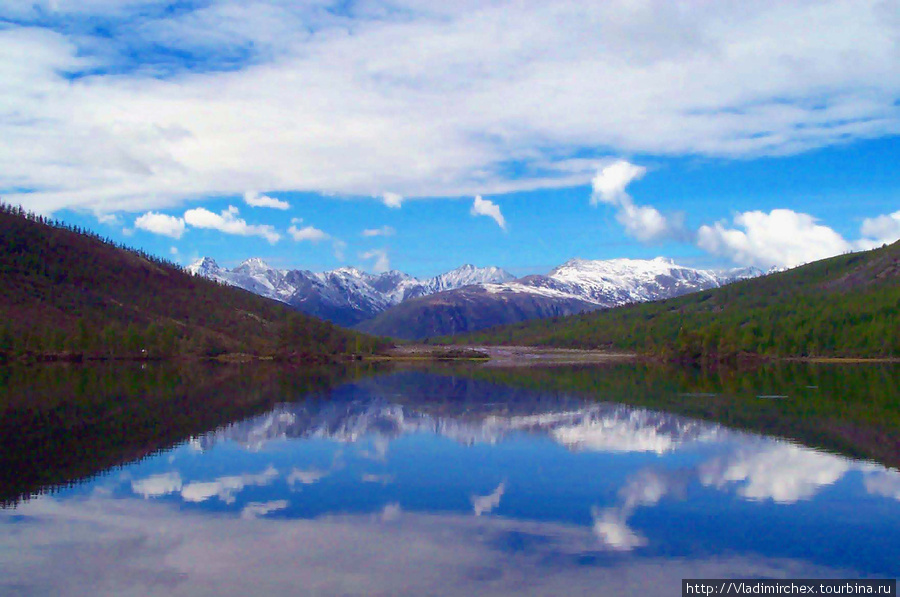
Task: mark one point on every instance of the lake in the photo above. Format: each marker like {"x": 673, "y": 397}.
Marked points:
{"x": 443, "y": 480}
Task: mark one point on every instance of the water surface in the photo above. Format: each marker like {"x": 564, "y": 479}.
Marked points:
{"x": 450, "y": 481}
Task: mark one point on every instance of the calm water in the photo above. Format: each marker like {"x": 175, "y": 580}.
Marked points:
{"x": 445, "y": 482}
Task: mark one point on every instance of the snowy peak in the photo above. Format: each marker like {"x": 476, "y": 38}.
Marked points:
{"x": 468, "y": 275}
{"x": 618, "y": 281}
{"x": 254, "y": 265}
{"x": 205, "y": 266}
{"x": 349, "y": 296}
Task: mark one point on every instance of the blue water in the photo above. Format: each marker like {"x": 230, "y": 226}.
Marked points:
{"x": 402, "y": 484}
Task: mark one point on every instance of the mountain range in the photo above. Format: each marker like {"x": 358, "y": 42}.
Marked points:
{"x": 843, "y": 306}
{"x": 467, "y": 298}
{"x": 467, "y": 411}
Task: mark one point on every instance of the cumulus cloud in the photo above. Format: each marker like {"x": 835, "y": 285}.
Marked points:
{"x": 611, "y": 528}
{"x": 644, "y": 223}
{"x": 486, "y": 207}
{"x": 783, "y": 473}
{"x": 163, "y": 224}
{"x": 109, "y": 219}
{"x": 884, "y": 229}
{"x": 228, "y": 222}
{"x": 160, "y": 549}
{"x": 451, "y": 94}
{"x": 391, "y": 512}
{"x": 258, "y": 509}
{"x": 308, "y": 233}
{"x": 157, "y": 485}
{"x": 306, "y": 477}
{"x": 225, "y": 488}
{"x": 254, "y": 199}
{"x": 782, "y": 237}
{"x": 383, "y": 231}
{"x": 382, "y": 261}
{"x": 610, "y": 182}
{"x": 392, "y": 200}
{"x": 484, "y": 504}
{"x": 646, "y": 488}
{"x": 885, "y": 483}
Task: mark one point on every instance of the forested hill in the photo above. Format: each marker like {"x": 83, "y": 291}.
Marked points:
{"x": 845, "y": 306}
{"x": 64, "y": 291}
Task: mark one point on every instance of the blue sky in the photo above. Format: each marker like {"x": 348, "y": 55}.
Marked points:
{"x": 717, "y": 134}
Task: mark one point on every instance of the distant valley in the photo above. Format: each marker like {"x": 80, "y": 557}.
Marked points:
{"x": 467, "y": 298}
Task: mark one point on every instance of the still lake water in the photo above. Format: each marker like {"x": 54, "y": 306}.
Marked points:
{"x": 618, "y": 480}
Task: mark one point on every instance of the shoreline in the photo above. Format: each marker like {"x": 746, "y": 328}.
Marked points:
{"x": 506, "y": 356}
{"x": 489, "y": 355}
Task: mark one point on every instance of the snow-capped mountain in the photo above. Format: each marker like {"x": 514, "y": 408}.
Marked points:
{"x": 576, "y": 286}
{"x": 616, "y": 281}
{"x": 467, "y": 298}
{"x": 469, "y": 412}
{"x": 467, "y": 275}
{"x": 345, "y": 295}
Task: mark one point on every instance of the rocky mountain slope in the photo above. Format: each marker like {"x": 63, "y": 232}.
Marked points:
{"x": 468, "y": 298}
{"x": 843, "y": 306}
{"x": 576, "y": 286}
{"x": 65, "y": 293}
{"x": 345, "y": 296}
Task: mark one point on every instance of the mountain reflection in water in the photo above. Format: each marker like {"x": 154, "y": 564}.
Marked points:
{"x": 446, "y": 483}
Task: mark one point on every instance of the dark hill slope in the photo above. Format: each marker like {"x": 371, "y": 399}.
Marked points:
{"x": 845, "y": 306}
{"x": 465, "y": 310}
{"x": 63, "y": 290}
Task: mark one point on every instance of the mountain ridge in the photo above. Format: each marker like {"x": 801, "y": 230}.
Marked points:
{"x": 467, "y": 298}
{"x": 843, "y": 306}
{"x": 68, "y": 293}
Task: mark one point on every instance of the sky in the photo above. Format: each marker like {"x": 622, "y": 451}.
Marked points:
{"x": 420, "y": 135}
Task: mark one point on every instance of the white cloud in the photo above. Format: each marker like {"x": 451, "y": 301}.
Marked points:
{"x": 392, "y": 200}
{"x": 257, "y": 509}
{"x": 110, "y": 219}
{"x": 611, "y": 528}
{"x": 307, "y": 233}
{"x": 228, "y": 222}
{"x": 784, "y": 473}
{"x": 885, "y": 483}
{"x": 646, "y": 488}
{"x": 425, "y": 99}
{"x": 383, "y": 231}
{"x": 391, "y": 512}
{"x": 173, "y": 251}
{"x": 373, "y": 478}
{"x": 161, "y": 549}
{"x": 782, "y": 237}
{"x": 225, "y": 487}
{"x": 306, "y": 477}
{"x": 382, "y": 261}
{"x": 486, "y": 207}
{"x": 254, "y": 199}
{"x": 884, "y": 229}
{"x": 644, "y": 223}
{"x": 157, "y": 485}
{"x": 610, "y": 182}
{"x": 158, "y": 223}
{"x": 484, "y": 504}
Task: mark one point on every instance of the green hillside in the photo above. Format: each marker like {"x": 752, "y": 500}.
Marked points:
{"x": 60, "y": 424}
{"x": 67, "y": 293}
{"x": 845, "y": 306}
